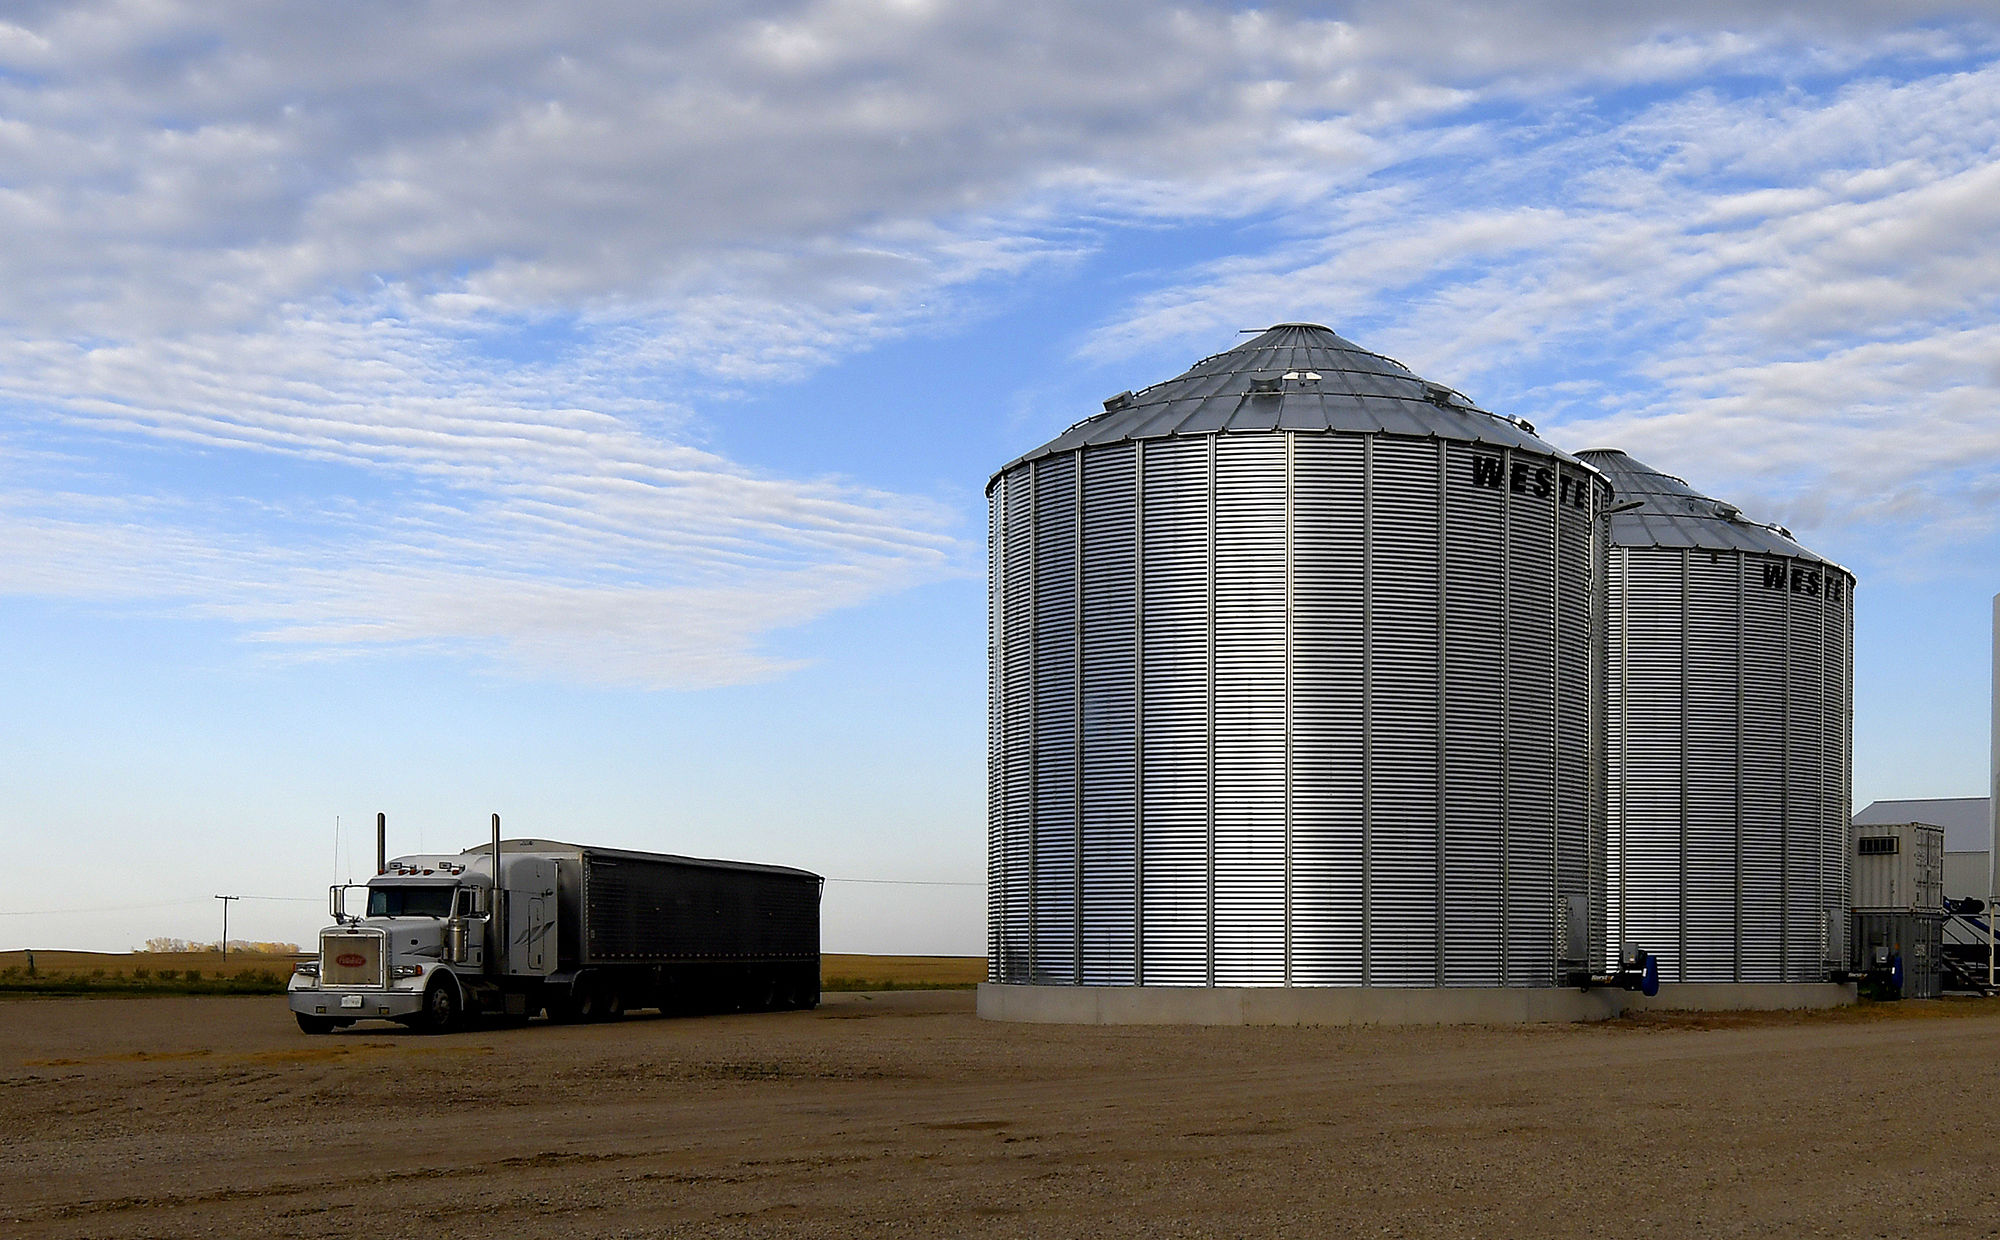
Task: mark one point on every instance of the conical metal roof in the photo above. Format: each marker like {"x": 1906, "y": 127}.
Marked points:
{"x": 1295, "y": 377}
{"x": 1670, "y": 513}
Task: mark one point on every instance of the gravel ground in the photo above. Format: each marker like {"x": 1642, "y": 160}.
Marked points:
{"x": 903, "y": 1114}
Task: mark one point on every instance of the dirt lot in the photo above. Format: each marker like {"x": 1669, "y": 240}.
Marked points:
{"x": 902, "y": 1114}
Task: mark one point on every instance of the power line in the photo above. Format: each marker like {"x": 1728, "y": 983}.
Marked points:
{"x": 907, "y": 882}
{"x": 133, "y": 908}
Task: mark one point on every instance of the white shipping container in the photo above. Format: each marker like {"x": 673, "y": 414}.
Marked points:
{"x": 1898, "y": 866}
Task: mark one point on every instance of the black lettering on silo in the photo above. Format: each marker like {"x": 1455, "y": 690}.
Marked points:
{"x": 1774, "y": 576}
{"x": 1486, "y": 472}
{"x": 1544, "y": 482}
{"x": 1517, "y": 481}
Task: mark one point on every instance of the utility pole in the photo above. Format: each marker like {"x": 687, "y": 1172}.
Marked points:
{"x": 225, "y": 923}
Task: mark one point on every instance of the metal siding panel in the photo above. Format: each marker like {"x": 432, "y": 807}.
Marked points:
{"x": 996, "y": 741}
{"x": 1530, "y": 925}
{"x": 1110, "y": 717}
{"x": 1174, "y": 697}
{"x": 1805, "y": 732}
{"x": 1250, "y": 507}
{"x": 1403, "y": 702}
{"x": 1763, "y": 762}
{"x": 1326, "y": 711}
{"x": 1475, "y": 756}
{"x": 1840, "y": 811}
{"x": 1017, "y": 697}
{"x": 1579, "y": 652}
{"x": 1709, "y": 895}
{"x": 1054, "y": 883}
{"x": 1649, "y": 758}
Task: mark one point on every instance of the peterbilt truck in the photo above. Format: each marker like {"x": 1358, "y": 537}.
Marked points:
{"x": 577, "y": 932}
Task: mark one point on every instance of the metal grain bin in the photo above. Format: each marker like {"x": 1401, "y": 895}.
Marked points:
{"x": 1296, "y": 672}
{"x": 1731, "y": 691}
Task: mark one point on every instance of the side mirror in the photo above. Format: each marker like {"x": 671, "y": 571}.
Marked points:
{"x": 470, "y": 902}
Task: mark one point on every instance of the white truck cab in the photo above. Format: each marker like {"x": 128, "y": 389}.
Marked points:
{"x": 428, "y": 947}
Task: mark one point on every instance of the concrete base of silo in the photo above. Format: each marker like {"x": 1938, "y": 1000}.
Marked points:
{"x": 1743, "y": 997}
{"x": 1376, "y": 1005}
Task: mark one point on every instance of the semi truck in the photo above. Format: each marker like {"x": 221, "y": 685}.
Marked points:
{"x": 577, "y": 932}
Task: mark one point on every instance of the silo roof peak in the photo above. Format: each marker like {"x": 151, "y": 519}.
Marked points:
{"x": 1295, "y": 377}
{"x": 1651, "y": 508}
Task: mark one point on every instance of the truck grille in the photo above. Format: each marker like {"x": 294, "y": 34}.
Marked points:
{"x": 348, "y": 959}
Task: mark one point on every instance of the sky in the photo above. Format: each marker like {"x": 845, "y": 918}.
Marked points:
{"x": 582, "y": 412}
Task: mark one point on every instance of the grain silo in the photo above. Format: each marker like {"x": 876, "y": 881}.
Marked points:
{"x": 1730, "y": 733}
{"x": 1296, "y": 682}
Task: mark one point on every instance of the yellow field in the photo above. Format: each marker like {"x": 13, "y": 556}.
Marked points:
{"x": 128, "y": 964}
{"x": 852, "y": 972}
{"x": 901, "y": 972}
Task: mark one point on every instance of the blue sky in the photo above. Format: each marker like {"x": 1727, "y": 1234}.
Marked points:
{"x": 582, "y": 412}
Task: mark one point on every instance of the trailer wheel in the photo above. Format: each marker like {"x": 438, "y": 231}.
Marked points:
{"x": 441, "y": 1008}
{"x": 315, "y": 1024}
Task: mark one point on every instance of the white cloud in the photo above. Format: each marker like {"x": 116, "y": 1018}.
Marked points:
{"x": 331, "y": 235}
{"x": 1789, "y": 292}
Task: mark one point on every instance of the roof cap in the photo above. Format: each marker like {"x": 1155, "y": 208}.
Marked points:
{"x": 1295, "y": 377}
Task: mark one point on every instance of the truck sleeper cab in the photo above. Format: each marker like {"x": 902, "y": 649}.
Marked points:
{"x": 576, "y": 932}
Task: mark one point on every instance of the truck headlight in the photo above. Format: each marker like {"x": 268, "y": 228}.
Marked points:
{"x": 306, "y": 968}
{"x": 406, "y": 970}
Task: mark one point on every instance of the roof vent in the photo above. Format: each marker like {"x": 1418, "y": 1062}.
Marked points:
{"x": 1440, "y": 395}
{"x": 1266, "y": 386}
{"x": 1729, "y": 512}
{"x": 1118, "y": 402}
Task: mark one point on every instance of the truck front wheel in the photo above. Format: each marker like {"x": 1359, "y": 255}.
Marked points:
{"x": 441, "y": 1010}
{"x": 315, "y": 1024}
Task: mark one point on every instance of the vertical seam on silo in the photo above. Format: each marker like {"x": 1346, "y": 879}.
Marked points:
{"x": 1742, "y": 567}
{"x": 1139, "y": 714}
{"x": 1076, "y": 730}
{"x": 1367, "y": 710}
{"x": 1600, "y": 658}
{"x": 1825, "y": 933}
{"x": 996, "y": 734}
{"x": 1212, "y": 445}
{"x": 1784, "y": 796}
{"x": 1443, "y": 620}
{"x": 1034, "y": 710}
{"x": 1624, "y": 559}
{"x": 1291, "y": 575}
{"x": 1558, "y": 911}
{"x": 1506, "y": 698}
{"x": 1681, "y": 944}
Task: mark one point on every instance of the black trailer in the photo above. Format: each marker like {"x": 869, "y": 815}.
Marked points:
{"x": 654, "y": 930}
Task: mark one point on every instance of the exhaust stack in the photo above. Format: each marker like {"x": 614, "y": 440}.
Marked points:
{"x": 497, "y": 918}
{"x": 381, "y": 843}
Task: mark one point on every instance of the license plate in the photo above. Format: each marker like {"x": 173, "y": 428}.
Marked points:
{"x": 350, "y": 1001}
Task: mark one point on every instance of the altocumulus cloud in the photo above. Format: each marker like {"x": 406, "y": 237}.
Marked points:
{"x": 334, "y": 236}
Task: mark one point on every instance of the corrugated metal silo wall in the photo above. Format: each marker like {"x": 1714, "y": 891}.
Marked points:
{"x": 1307, "y": 709}
{"x": 1731, "y": 721}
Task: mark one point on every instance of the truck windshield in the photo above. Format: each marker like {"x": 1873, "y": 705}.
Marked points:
{"x": 410, "y": 901}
